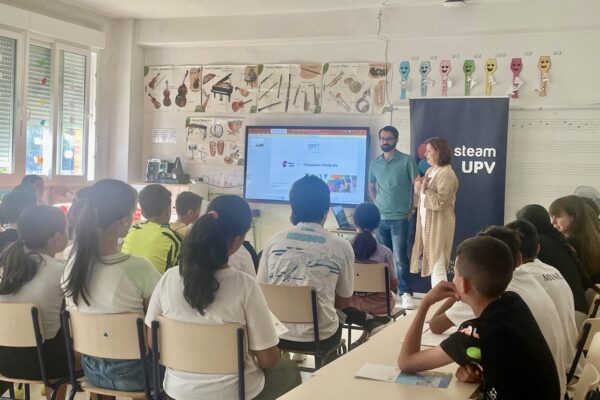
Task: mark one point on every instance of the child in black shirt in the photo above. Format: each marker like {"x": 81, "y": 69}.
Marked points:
{"x": 503, "y": 347}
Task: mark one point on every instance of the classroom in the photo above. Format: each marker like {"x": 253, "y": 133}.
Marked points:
{"x": 281, "y": 199}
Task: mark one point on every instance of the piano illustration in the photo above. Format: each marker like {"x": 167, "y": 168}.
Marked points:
{"x": 223, "y": 88}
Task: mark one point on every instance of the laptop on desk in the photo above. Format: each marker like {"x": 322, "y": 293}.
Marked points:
{"x": 342, "y": 220}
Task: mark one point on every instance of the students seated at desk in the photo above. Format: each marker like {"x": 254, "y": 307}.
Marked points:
{"x": 206, "y": 290}
{"x": 31, "y": 274}
{"x": 99, "y": 279}
{"x": 232, "y": 209}
{"x": 11, "y": 208}
{"x": 187, "y": 206}
{"x": 309, "y": 255}
{"x": 502, "y": 346}
{"x": 154, "y": 240}
{"x": 454, "y": 312}
{"x": 369, "y": 309}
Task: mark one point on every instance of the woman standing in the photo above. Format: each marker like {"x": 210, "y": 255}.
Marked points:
{"x": 436, "y": 193}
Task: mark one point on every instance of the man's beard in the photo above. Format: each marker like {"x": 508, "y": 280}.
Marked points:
{"x": 387, "y": 147}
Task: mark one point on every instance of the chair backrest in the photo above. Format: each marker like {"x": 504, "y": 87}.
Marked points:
{"x": 594, "y": 328}
{"x": 589, "y": 380}
{"x": 593, "y": 355}
{"x": 289, "y": 303}
{"x": 370, "y": 277}
{"x": 593, "y": 300}
{"x": 105, "y": 335}
{"x": 198, "y": 348}
{"x": 16, "y": 325}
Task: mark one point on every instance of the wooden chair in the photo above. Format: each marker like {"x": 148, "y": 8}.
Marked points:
{"x": 373, "y": 278}
{"x": 593, "y": 355}
{"x": 21, "y": 326}
{"x": 198, "y": 348}
{"x": 590, "y": 327}
{"x": 113, "y": 336}
{"x": 590, "y": 378}
{"x": 298, "y": 304}
{"x": 594, "y": 302}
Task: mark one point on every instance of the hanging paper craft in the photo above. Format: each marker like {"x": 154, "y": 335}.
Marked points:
{"x": 404, "y": 71}
{"x": 445, "y": 68}
{"x": 229, "y": 88}
{"x": 516, "y": 66}
{"x": 544, "y": 66}
{"x": 215, "y": 141}
{"x": 354, "y": 88}
{"x": 469, "y": 69}
{"x": 425, "y": 69}
{"x": 490, "y": 68}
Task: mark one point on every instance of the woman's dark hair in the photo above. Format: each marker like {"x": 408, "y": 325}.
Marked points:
{"x": 76, "y": 209}
{"x": 206, "y": 248}
{"x": 584, "y": 232}
{"x": 108, "y": 201}
{"x": 367, "y": 218}
{"x": 31, "y": 179}
{"x": 540, "y": 218}
{"x": 443, "y": 148}
{"x": 18, "y": 265}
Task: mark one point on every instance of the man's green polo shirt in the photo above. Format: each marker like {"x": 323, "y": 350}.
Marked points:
{"x": 393, "y": 179}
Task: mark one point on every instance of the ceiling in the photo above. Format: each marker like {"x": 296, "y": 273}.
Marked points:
{"x": 152, "y": 9}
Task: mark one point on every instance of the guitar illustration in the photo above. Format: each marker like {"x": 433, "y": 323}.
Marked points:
{"x": 516, "y": 66}
{"x": 544, "y": 66}
{"x": 155, "y": 102}
{"x": 404, "y": 71}
{"x": 238, "y": 105}
{"x": 153, "y": 81}
{"x": 469, "y": 69}
{"x": 182, "y": 90}
{"x": 490, "y": 67}
{"x": 445, "y": 69}
{"x": 166, "y": 95}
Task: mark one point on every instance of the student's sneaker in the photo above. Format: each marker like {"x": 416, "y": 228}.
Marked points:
{"x": 406, "y": 302}
{"x": 298, "y": 357}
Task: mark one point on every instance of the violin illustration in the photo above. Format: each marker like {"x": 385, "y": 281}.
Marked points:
{"x": 166, "y": 95}
{"x": 182, "y": 90}
{"x": 155, "y": 102}
{"x": 152, "y": 82}
{"x": 238, "y": 105}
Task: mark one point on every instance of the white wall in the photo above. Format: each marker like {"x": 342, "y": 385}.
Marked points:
{"x": 568, "y": 31}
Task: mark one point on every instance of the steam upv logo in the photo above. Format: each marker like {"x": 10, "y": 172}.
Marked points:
{"x": 286, "y": 164}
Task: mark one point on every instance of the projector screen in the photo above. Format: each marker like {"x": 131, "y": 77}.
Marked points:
{"x": 276, "y": 156}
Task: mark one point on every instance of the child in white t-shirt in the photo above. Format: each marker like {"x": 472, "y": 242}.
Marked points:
{"x": 31, "y": 274}
{"x": 206, "y": 290}
{"x": 100, "y": 279}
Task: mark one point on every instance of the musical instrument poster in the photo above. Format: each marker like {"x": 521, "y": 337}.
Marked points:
{"x": 215, "y": 141}
{"x": 172, "y": 88}
{"x": 354, "y": 88}
{"x": 229, "y": 88}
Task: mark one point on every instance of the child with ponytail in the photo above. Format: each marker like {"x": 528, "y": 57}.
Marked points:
{"x": 100, "y": 279}
{"x": 206, "y": 290}
{"x": 369, "y": 309}
{"x": 30, "y": 274}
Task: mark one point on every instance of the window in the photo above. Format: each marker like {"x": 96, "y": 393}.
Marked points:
{"x": 38, "y": 155}
{"x": 8, "y": 50}
{"x": 71, "y": 134}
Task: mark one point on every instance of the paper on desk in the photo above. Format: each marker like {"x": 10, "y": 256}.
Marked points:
{"x": 280, "y": 328}
{"x": 387, "y": 373}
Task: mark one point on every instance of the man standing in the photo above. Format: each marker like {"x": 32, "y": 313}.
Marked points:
{"x": 391, "y": 176}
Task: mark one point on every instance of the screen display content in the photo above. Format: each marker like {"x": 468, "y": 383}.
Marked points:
{"x": 278, "y": 156}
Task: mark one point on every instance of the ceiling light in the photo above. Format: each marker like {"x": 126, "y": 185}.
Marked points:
{"x": 454, "y": 3}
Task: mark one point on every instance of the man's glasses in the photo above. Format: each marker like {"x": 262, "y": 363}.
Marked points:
{"x": 387, "y": 139}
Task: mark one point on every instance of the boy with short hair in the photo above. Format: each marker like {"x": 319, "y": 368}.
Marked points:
{"x": 187, "y": 206}
{"x": 154, "y": 239}
{"x": 11, "y": 208}
{"x": 502, "y": 346}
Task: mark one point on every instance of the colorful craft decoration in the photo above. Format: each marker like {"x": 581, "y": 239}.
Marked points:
{"x": 445, "y": 68}
{"x": 544, "y": 66}
{"x": 404, "y": 71}
{"x": 425, "y": 69}
{"x": 490, "y": 68}
{"x": 516, "y": 66}
{"x": 469, "y": 69}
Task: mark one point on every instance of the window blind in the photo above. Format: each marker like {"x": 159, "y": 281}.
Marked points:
{"x": 8, "y": 49}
